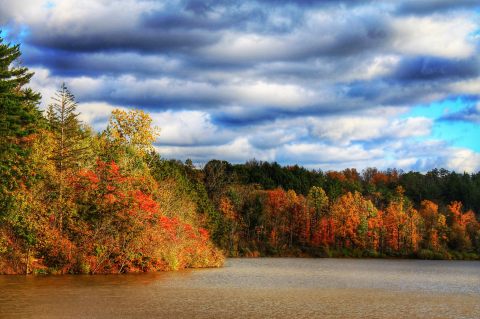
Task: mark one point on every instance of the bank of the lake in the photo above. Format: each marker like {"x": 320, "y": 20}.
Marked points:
{"x": 259, "y": 287}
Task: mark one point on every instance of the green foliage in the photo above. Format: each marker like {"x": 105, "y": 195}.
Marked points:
{"x": 20, "y": 119}
{"x": 317, "y": 200}
{"x": 68, "y": 135}
{"x": 189, "y": 184}
{"x": 272, "y": 175}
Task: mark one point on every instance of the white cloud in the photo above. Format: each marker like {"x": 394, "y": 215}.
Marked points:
{"x": 71, "y": 16}
{"x": 319, "y": 153}
{"x": 47, "y": 86}
{"x": 471, "y": 86}
{"x": 129, "y": 87}
{"x": 375, "y": 67}
{"x": 189, "y": 128}
{"x": 409, "y": 127}
{"x": 462, "y": 159}
{"x": 270, "y": 94}
{"x": 443, "y": 36}
{"x": 347, "y": 129}
{"x": 96, "y": 114}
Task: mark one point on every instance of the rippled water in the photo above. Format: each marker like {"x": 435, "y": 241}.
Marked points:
{"x": 260, "y": 288}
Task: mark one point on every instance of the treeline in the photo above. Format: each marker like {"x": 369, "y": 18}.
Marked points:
{"x": 269, "y": 210}
{"x": 76, "y": 201}
{"x": 438, "y": 185}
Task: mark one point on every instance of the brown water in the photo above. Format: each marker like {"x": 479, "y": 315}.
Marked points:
{"x": 257, "y": 288}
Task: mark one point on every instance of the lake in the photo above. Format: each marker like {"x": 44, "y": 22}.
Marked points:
{"x": 257, "y": 288}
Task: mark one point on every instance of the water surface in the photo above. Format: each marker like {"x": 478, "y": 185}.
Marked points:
{"x": 257, "y": 288}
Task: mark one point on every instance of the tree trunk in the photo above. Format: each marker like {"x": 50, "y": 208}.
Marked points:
{"x": 27, "y": 262}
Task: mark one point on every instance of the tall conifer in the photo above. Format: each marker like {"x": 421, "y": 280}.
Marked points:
{"x": 68, "y": 136}
{"x": 19, "y": 120}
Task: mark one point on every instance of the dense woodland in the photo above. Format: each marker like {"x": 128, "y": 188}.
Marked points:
{"x": 274, "y": 210}
{"x": 73, "y": 200}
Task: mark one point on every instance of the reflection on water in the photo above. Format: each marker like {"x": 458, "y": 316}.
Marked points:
{"x": 264, "y": 287}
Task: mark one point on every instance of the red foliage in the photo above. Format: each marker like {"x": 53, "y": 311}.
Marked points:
{"x": 336, "y": 176}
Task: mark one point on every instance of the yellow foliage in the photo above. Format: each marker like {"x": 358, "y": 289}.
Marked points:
{"x": 133, "y": 128}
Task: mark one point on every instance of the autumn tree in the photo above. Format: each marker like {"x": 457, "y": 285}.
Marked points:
{"x": 232, "y": 223}
{"x": 294, "y": 216}
{"x": 276, "y": 208}
{"x": 464, "y": 227}
{"x": 401, "y": 222}
{"x": 318, "y": 203}
{"x": 413, "y": 232}
{"x": 217, "y": 176}
{"x": 394, "y": 221}
{"x": 125, "y": 228}
{"x": 431, "y": 222}
{"x": 376, "y": 232}
{"x": 131, "y": 131}
{"x": 350, "y": 214}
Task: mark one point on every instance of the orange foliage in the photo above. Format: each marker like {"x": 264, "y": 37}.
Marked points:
{"x": 336, "y": 176}
{"x": 347, "y": 219}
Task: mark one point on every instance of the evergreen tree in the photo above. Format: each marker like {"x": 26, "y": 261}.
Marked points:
{"x": 68, "y": 136}
{"x": 19, "y": 120}
{"x": 64, "y": 123}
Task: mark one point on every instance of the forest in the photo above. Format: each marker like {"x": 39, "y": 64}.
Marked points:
{"x": 291, "y": 211}
{"x": 74, "y": 200}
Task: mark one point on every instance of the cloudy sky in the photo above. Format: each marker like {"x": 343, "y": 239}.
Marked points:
{"x": 325, "y": 84}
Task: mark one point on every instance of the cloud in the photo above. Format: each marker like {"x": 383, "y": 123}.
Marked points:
{"x": 98, "y": 64}
{"x": 432, "y": 68}
{"x": 239, "y": 150}
{"x": 468, "y": 86}
{"x": 434, "y": 6}
{"x": 96, "y": 115}
{"x": 326, "y": 84}
{"x": 92, "y": 26}
{"x": 463, "y": 160}
{"x": 348, "y": 129}
{"x": 426, "y": 155}
{"x": 468, "y": 114}
{"x": 189, "y": 128}
{"x": 338, "y": 37}
{"x": 313, "y": 153}
{"x": 441, "y": 36}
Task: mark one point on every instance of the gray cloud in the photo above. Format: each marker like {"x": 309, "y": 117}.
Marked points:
{"x": 468, "y": 114}
{"x": 432, "y": 68}
{"x": 275, "y": 79}
{"x": 147, "y": 41}
{"x": 434, "y": 6}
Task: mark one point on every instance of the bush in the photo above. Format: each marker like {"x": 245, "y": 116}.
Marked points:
{"x": 425, "y": 254}
{"x": 432, "y": 255}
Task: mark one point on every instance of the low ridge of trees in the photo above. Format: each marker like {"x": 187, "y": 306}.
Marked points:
{"x": 290, "y": 211}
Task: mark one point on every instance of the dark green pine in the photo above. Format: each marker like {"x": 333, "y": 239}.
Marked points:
{"x": 19, "y": 118}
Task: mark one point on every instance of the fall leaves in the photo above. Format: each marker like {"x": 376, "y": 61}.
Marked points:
{"x": 134, "y": 128}
{"x": 291, "y": 223}
{"x": 105, "y": 213}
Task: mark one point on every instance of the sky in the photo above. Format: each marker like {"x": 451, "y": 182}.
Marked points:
{"x": 323, "y": 84}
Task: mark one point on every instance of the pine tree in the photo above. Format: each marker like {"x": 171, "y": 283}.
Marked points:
{"x": 19, "y": 120}
{"x": 68, "y": 136}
